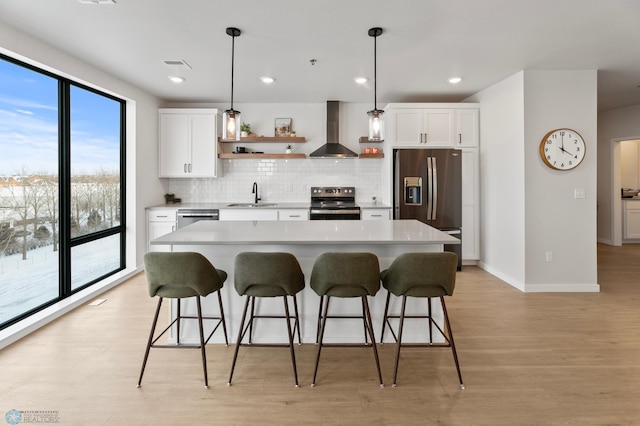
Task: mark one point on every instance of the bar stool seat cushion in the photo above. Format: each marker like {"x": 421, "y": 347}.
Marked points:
{"x": 411, "y": 274}
{"x": 346, "y": 275}
{"x": 267, "y": 274}
{"x": 181, "y": 274}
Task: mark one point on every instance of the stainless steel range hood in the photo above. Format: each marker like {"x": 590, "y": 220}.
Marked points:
{"x": 333, "y": 148}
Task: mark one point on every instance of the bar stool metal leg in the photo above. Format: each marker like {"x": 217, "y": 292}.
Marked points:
{"x": 290, "y": 336}
{"x": 297, "y": 321}
{"x": 451, "y": 342}
{"x": 399, "y": 341}
{"x": 239, "y": 341}
{"x": 224, "y": 323}
{"x": 202, "y": 348}
{"x": 321, "y": 336}
{"x": 150, "y": 341}
{"x": 373, "y": 339}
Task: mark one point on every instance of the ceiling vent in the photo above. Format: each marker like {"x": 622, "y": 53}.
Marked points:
{"x": 177, "y": 63}
{"x": 97, "y": 1}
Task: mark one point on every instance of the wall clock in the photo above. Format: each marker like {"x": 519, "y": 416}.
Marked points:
{"x": 562, "y": 149}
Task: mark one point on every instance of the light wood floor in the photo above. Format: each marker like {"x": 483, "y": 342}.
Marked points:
{"x": 527, "y": 359}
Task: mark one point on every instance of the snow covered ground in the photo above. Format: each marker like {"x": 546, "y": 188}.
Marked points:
{"x": 26, "y": 284}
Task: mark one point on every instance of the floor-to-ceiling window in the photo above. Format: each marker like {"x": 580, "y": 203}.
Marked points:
{"x": 61, "y": 188}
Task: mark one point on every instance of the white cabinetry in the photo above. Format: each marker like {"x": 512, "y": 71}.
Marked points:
{"x": 632, "y": 220}
{"x": 160, "y": 222}
{"x": 188, "y": 142}
{"x": 375, "y": 214}
{"x": 433, "y": 125}
{"x": 249, "y": 214}
{"x": 470, "y": 204}
{"x": 467, "y": 128}
{"x": 422, "y": 127}
{"x": 293, "y": 214}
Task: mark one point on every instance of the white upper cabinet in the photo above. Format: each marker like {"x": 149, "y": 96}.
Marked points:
{"x": 422, "y": 127}
{"x": 188, "y": 142}
{"x": 467, "y": 127}
{"x": 432, "y": 125}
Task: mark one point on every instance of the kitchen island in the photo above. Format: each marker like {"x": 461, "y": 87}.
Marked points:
{"x": 220, "y": 241}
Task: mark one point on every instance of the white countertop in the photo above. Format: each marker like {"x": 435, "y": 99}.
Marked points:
{"x": 225, "y": 205}
{"x": 315, "y": 232}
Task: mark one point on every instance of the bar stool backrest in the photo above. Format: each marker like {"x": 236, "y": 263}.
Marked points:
{"x": 422, "y": 274}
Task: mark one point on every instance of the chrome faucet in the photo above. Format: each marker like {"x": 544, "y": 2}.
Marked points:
{"x": 255, "y": 191}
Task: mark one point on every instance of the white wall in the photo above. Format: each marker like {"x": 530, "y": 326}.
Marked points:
{"x": 613, "y": 126}
{"x": 528, "y": 209}
{"x": 502, "y": 186}
{"x": 555, "y": 221}
{"x": 143, "y": 186}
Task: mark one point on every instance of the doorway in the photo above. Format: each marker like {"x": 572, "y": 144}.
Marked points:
{"x": 625, "y": 173}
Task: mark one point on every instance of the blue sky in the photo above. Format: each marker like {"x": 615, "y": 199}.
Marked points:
{"x": 29, "y": 125}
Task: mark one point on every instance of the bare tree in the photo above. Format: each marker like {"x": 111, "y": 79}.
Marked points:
{"x": 50, "y": 191}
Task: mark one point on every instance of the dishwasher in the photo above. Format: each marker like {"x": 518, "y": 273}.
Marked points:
{"x": 189, "y": 216}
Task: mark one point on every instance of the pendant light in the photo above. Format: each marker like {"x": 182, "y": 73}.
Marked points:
{"x": 376, "y": 122}
{"x": 231, "y": 117}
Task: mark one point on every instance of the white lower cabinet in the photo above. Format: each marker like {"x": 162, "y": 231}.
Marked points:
{"x": 248, "y": 214}
{"x": 375, "y": 214}
{"x": 293, "y": 214}
{"x": 632, "y": 220}
{"x": 159, "y": 223}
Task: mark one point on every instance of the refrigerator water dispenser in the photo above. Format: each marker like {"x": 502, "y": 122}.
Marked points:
{"x": 413, "y": 190}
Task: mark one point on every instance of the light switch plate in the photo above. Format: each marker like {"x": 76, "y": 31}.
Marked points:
{"x": 579, "y": 193}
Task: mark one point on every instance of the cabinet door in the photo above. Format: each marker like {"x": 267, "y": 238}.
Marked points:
{"x": 203, "y": 146}
{"x": 248, "y": 214}
{"x": 375, "y": 214}
{"x": 159, "y": 223}
{"x": 175, "y": 146}
{"x": 470, "y": 205}
{"x": 467, "y": 128}
{"x": 439, "y": 127}
{"x": 293, "y": 214}
{"x": 632, "y": 220}
{"x": 407, "y": 127}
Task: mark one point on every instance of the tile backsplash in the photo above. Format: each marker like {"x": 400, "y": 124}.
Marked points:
{"x": 282, "y": 180}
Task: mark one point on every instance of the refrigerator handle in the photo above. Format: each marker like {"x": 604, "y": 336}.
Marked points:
{"x": 432, "y": 187}
{"x": 396, "y": 189}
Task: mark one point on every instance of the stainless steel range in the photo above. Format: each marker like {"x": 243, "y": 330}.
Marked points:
{"x": 334, "y": 203}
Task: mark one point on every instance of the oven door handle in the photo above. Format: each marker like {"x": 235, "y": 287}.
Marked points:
{"x": 334, "y": 211}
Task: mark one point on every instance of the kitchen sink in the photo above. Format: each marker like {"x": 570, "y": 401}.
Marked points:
{"x": 251, "y": 205}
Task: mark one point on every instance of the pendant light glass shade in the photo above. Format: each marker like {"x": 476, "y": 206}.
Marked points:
{"x": 231, "y": 124}
{"x": 376, "y": 125}
{"x": 376, "y": 120}
{"x": 231, "y": 118}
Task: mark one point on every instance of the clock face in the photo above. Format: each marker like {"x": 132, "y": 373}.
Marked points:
{"x": 562, "y": 149}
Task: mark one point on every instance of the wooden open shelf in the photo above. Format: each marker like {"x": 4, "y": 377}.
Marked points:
{"x": 378, "y": 155}
{"x": 365, "y": 139}
{"x": 280, "y": 139}
{"x": 265, "y": 155}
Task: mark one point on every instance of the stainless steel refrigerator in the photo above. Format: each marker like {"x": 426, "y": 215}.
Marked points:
{"x": 428, "y": 187}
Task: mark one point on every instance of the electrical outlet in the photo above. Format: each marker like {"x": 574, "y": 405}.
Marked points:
{"x": 549, "y": 256}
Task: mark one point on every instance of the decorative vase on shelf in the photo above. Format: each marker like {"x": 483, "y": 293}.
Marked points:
{"x": 244, "y": 134}
{"x": 245, "y": 129}
{"x": 288, "y": 150}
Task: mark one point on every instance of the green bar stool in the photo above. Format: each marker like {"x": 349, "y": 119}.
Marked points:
{"x": 346, "y": 275}
{"x": 179, "y": 276}
{"x": 425, "y": 275}
{"x": 267, "y": 275}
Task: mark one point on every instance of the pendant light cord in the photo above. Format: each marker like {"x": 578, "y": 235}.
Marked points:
{"x": 233, "y": 50}
{"x": 375, "y": 73}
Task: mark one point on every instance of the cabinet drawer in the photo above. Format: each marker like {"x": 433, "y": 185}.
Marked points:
{"x": 163, "y": 215}
{"x": 375, "y": 214}
{"x": 293, "y": 214}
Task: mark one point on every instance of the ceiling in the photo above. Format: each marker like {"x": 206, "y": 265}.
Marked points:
{"x": 424, "y": 42}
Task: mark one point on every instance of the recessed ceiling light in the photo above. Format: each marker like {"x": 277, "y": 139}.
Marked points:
{"x": 176, "y": 79}
{"x": 454, "y": 80}
{"x": 360, "y": 80}
{"x": 267, "y": 80}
